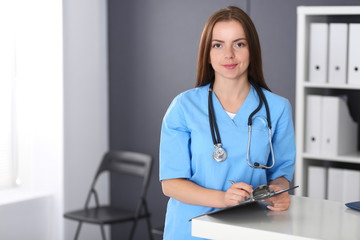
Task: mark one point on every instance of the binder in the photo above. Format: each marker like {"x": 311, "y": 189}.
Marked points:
{"x": 354, "y": 54}
{"x": 317, "y": 182}
{"x": 338, "y": 129}
{"x": 329, "y": 111}
{"x": 351, "y": 185}
{"x": 318, "y": 54}
{"x": 338, "y": 39}
{"x": 335, "y": 184}
{"x": 313, "y": 122}
{"x": 343, "y": 185}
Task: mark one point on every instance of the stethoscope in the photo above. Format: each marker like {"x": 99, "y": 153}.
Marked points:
{"x": 219, "y": 153}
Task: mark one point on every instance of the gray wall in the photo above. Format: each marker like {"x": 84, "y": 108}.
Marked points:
{"x": 153, "y": 47}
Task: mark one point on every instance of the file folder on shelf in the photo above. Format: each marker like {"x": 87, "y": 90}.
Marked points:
{"x": 338, "y": 39}
{"x": 313, "y": 124}
{"x": 354, "y": 54}
{"x": 329, "y": 127}
{"x": 318, "y": 52}
{"x": 335, "y": 184}
{"x": 317, "y": 182}
{"x": 338, "y": 130}
{"x": 343, "y": 185}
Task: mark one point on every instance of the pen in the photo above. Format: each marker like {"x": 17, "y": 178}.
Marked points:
{"x": 232, "y": 182}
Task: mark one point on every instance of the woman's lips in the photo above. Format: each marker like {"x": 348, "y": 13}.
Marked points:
{"x": 229, "y": 66}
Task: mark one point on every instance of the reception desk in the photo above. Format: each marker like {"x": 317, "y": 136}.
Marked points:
{"x": 306, "y": 218}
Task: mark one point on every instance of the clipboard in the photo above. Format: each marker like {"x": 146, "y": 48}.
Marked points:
{"x": 260, "y": 193}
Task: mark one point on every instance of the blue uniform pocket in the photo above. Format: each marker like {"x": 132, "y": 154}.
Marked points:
{"x": 259, "y": 141}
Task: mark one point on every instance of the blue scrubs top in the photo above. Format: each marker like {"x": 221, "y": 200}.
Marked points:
{"x": 186, "y": 149}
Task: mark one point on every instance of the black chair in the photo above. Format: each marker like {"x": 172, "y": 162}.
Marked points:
{"x": 123, "y": 162}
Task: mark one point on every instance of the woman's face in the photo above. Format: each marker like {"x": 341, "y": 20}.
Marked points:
{"x": 229, "y": 52}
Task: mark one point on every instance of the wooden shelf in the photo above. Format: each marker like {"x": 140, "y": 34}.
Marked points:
{"x": 329, "y": 10}
{"x": 348, "y": 158}
{"x": 331, "y": 86}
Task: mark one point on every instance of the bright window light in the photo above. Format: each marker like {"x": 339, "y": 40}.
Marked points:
{"x": 7, "y": 96}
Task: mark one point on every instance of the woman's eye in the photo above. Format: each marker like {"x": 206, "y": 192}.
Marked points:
{"x": 240, "y": 44}
{"x": 217, "y": 45}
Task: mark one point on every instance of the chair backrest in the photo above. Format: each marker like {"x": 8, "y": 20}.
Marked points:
{"x": 125, "y": 162}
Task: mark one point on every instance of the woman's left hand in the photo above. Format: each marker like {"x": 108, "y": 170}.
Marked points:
{"x": 280, "y": 202}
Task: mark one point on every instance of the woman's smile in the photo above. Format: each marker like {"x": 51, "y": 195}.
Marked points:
{"x": 230, "y": 66}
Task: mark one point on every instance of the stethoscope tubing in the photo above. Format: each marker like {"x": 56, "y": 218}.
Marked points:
{"x": 212, "y": 120}
{"x": 214, "y": 127}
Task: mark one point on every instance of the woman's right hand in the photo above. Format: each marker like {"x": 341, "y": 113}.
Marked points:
{"x": 189, "y": 192}
{"x": 236, "y": 193}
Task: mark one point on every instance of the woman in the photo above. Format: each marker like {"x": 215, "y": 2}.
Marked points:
{"x": 229, "y": 74}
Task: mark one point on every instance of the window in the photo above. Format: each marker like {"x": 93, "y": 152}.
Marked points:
{"x": 7, "y": 93}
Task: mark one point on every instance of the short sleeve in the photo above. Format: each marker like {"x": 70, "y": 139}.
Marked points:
{"x": 175, "y": 143}
{"x": 284, "y": 146}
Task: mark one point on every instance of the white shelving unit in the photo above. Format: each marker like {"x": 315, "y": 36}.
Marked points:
{"x": 305, "y": 16}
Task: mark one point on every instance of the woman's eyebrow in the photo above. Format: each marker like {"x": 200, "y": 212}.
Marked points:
{"x": 239, "y": 39}
{"x": 215, "y": 40}
{"x": 221, "y": 41}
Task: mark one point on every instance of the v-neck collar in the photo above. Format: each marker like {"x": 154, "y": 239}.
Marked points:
{"x": 242, "y": 115}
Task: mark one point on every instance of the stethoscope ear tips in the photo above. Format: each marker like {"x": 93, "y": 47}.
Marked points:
{"x": 256, "y": 164}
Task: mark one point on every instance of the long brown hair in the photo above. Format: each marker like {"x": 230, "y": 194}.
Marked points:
{"x": 206, "y": 73}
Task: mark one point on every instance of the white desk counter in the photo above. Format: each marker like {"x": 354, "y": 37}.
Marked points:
{"x": 306, "y": 218}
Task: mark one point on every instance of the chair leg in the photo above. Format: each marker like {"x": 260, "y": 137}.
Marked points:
{"x": 103, "y": 232}
{"x": 151, "y": 237}
{"x": 133, "y": 229}
{"x": 148, "y": 223}
{"x": 78, "y": 230}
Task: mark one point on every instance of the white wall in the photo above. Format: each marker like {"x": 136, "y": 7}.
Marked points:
{"x": 63, "y": 117}
{"x": 85, "y": 104}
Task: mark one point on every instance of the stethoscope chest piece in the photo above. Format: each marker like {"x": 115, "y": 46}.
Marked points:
{"x": 219, "y": 153}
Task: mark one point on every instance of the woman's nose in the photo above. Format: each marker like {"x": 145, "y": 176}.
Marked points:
{"x": 229, "y": 52}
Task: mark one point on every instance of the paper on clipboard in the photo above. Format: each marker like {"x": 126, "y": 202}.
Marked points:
{"x": 259, "y": 197}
